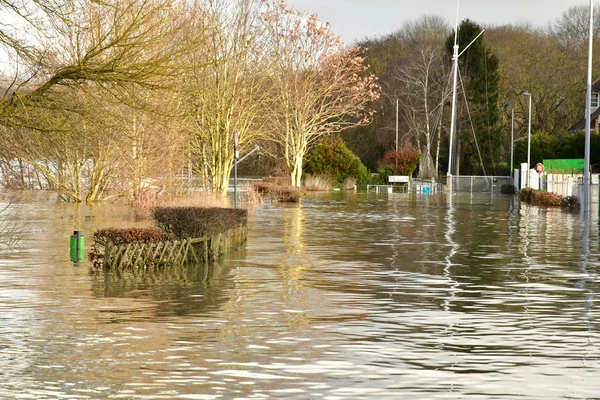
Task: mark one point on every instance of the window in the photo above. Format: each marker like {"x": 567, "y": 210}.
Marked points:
{"x": 594, "y": 103}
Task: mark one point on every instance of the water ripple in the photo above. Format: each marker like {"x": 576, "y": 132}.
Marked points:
{"x": 346, "y": 296}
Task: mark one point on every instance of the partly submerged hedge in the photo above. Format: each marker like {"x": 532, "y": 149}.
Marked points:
{"x": 223, "y": 228}
{"x": 123, "y": 236}
{"x": 540, "y": 197}
{"x": 285, "y": 194}
{"x": 197, "y": 222}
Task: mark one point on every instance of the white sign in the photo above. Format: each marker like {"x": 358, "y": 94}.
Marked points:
{"x": 398, "y": 179}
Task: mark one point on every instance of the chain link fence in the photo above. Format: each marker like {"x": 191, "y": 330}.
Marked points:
{"x": 481, "y": 184}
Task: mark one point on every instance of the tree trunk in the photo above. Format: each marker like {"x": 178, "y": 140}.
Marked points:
{"x": 296, "y": 172}
{"x": 437, "y": 150}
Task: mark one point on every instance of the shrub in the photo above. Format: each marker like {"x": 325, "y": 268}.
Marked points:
{"x": 289, "y": 194}
{"x": 123, "y": 236}
{"x": 570, "y": 203}
{"x": 526, "y": 195}
{"x": 349, "y": 184}
{"x": 507, "y": 188}
{"x": 197, "y": 222}
{"x": 540, "y": 198}
{"x": 331, "y": 158}
{"x": 405, "y": 161}
{"x": 384, "y": 173}
{"x": 315, "y": 183}
{"x": 402, "y": 162}
{"x": 265, "y": 187}
{"x": 253, "y": 198}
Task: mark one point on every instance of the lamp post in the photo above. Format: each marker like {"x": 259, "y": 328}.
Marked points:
{"x": 588, "y": 116}
{"x": 397, "y": 104}
{"x": 396, "y": 155}
{"x": 526, "y": 93}
{"x": 512, "y": 134}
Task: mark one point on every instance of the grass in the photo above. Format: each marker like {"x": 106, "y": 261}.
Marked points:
{"x": 318, "y": 183}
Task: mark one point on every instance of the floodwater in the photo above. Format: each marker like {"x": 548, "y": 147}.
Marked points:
{"x": 346, "y": 296}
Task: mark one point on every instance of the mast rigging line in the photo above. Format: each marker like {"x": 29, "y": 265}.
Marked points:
{"x": 471, "y": 121}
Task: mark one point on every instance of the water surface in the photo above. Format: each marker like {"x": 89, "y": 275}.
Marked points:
{"x": 346, "y": 296}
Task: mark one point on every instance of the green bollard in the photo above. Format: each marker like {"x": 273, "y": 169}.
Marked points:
{"x": 77, "y": 246}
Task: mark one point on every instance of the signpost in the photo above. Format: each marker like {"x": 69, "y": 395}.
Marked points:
{"x": 539, "y": 168}
{"x": 398, "y": 179}
{"x": 236, "y": 144}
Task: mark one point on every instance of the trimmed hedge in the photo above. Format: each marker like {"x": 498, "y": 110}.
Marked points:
{"x": 123, "y": 236}
{"x": 197, "y": 222}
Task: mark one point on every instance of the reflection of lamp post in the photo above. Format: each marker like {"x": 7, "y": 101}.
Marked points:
{"x": 512, "y": 134}
{"x": 526, "y": 93}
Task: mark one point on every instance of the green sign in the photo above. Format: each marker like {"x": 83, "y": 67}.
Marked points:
{"x": 564, "y": 166}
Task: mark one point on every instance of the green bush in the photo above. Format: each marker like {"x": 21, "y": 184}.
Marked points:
{"x": 333, "y": 159}
{"x": 384, "y": 173}
{"x": 198, "y": 222}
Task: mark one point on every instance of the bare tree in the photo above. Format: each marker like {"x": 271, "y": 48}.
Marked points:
{"x": 320, "y": 86}
{"x": 80, "y": 71}
{"x": 229, "y": 92}
{"x": 419, "y": 81}
{"x": 573, "y": 26}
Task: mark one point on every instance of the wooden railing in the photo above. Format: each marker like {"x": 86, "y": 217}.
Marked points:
{"x": 156, "y": 253}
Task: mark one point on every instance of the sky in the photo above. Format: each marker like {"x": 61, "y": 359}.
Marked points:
{"x": 357, "y": 19}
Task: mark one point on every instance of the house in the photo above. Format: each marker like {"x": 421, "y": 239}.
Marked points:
{"x": 595, "y": 108}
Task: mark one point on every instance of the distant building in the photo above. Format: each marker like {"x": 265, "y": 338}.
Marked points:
{"x": 595, "y": 109}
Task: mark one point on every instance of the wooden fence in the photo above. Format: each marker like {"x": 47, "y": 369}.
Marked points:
{"x": 156, "y": 253}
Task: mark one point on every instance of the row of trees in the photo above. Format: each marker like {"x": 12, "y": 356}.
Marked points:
{"x": 101, "y": 96}
{"x": 414, "y": 67}
{"x": 98, "y": 97}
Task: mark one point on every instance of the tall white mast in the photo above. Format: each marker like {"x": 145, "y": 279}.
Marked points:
{"x": 453, "y": 117}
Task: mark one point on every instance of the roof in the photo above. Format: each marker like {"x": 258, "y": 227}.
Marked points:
{"x": 581, "y": 124}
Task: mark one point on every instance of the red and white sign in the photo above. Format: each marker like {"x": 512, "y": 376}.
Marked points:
{"x": 539, "y": 168}
{"x": 236, "y": 139}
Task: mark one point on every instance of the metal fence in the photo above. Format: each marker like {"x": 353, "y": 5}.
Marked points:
{"x": 481, "y": 184}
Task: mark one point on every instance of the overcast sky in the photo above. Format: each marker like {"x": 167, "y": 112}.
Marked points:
{"x": 357, "y": 19}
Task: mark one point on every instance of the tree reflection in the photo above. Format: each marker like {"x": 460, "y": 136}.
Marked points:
{"x": 296, "y": 260}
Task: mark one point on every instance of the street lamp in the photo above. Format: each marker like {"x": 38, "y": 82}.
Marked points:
{"x": 588, "y": 116}
{"x": 526, "y": 93}
{"x": 512, "y": 134}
